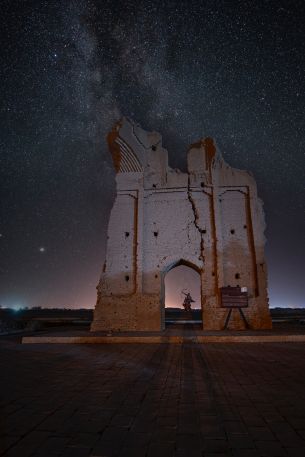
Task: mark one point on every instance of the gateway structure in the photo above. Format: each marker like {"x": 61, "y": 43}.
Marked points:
{"x": 209, "y": 219}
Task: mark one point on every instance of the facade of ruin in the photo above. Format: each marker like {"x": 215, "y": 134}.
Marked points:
{"x": 209, "y": 219}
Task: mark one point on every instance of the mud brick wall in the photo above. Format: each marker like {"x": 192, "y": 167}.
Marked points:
{"x": 209, "y": 219}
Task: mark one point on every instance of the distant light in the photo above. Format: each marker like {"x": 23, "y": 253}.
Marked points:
{"x": 17, "y": 308}
{"x": 42, "y": 249}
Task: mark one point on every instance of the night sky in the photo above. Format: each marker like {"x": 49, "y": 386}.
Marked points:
{"x": 190, "y": 69}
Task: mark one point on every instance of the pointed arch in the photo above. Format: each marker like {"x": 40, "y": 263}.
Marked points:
{"x": 180, "y": 262}
{"x": 172, "y": 264}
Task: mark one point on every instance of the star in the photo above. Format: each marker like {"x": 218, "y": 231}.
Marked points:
{"x": 184, "y": 69}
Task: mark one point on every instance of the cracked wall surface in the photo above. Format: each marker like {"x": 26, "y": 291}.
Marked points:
{"x": 209, "y": 219}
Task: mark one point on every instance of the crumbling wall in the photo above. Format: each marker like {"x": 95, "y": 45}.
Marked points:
{"x": 121, "y": 246}
{"x": 238, "y": 249}
{"x": 164, "y": 229}
{"x": 208, "y": 218}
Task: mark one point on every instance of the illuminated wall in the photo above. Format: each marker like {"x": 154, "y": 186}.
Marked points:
{"x": 209, "y": 219}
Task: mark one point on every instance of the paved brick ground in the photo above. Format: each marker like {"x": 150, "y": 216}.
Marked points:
{"x": 152, "y": 400}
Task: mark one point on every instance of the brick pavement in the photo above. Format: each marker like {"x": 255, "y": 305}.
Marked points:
{"x": 240, "y": 400}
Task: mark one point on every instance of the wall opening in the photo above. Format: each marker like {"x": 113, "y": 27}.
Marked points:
{"x": 178, "y": 281}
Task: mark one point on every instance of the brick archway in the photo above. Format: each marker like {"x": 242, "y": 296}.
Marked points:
{"x": 169, "y": 268}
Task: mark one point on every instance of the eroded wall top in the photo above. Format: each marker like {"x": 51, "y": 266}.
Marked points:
{"x": 140, "y": 160}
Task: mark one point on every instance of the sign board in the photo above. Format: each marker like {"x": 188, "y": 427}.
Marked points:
{"x": 233, "y": 297}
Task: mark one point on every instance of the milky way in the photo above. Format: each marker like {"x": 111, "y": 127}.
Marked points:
{"x": 186, "y": 69}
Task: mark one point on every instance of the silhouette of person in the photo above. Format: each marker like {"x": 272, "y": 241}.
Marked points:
{"x": 188, "y": 301}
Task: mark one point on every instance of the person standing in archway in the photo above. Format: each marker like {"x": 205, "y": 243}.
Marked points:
{"x": 188, "y": 301}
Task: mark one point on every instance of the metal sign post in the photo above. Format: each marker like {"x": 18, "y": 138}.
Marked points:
{"x": 233, "y": 297}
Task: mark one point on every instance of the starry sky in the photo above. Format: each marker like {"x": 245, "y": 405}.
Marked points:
{"x": 70, "y": 69}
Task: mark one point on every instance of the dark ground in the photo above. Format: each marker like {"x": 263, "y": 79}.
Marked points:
{"x": 243, "y": 400}
{"x": 42, "y": 319}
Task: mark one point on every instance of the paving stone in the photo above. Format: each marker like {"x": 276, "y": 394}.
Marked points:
{"x": 241, "y": 442}
{"x": 122, "y": 420}
{"x": 112, "y": 434}
{"x": 219, "y": 454}
{"x": 302, "y": 434}
{"x": 161, "y": 450}
{"x": 298, "y": 423}
{"x": 188, "y": 453}
{"x": 246, "y": 453}
{"x": 104, "y": 448}
{"x": 83, "y": 440}
{"x": 273, "y": 417}
{"x": 167, "y": 421}
{"x": 189, "y": 441}
{"x": 137, "y": 440}
{"x": 184, "y": 427}
{"x": 295, "y": 452}
{"x": 213, "y": 431}
{"x": 215, "y": 446}
{"x": 137, "y": 400}
{"x": 271, "y": 449}
{"x": 53, "y": 445}
{"x": 145, "y": 426}
{"x": 164, "y": 435}
{"x": 7, "y": 441}
{"x": 261, "y": 434}
{"x": 27, "y": 445}
{"x": 291, "y": 440}
{"x": 287, "y": 435}
{"x": 235, "y": 428}
{"x": 209, "y": 419}
{"x": 133, "y": 453}
{"x": 76, "y": 452}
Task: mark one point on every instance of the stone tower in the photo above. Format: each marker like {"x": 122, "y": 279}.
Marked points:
{"x": 209, "y": 219}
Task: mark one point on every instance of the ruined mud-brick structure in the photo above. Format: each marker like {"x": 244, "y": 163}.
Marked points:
{"x": 209, "y": 219}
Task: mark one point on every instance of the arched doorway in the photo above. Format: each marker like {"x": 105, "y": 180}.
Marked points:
{"x": 179, "y": 279}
